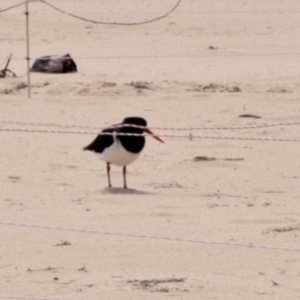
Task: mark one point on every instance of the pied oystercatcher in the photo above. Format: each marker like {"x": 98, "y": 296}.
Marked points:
{"x": 121, "y": 150}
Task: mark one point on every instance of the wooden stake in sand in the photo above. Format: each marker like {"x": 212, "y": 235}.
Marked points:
{"x": 28, "y": 52}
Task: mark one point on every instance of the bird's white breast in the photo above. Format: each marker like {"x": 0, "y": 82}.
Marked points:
{"x": 116, "y": 154}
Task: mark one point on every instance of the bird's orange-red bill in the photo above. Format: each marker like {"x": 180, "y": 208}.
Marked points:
{"x": 156, "y": 137}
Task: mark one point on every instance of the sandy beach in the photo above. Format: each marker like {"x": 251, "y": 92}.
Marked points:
{"x": 195, "y": 203}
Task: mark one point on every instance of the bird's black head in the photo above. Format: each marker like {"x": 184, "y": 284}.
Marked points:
{"x": 140, "y": 122}
{"x": 135, "y": 121}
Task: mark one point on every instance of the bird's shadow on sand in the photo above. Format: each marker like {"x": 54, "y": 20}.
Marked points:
{"x": 122, "y": 191}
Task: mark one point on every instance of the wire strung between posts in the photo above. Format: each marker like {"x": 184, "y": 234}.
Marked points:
{"x": 36, "y": 298}
{"x": 156, "y": 128}
{"x": 193, "y": 12}
{"x": 144, "y": 236}
{"x": 17, "y": 5}
{"x": 190, "y": 136}
{"x": 176, "y": 56}
{"x": 93, "y": 21}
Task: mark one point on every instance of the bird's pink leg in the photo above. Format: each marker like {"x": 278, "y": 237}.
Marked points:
{"x": 108, "y": 174}
{"x": 124, "y": 177}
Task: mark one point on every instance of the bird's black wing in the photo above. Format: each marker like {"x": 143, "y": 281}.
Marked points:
{"x": 101, "y": 141}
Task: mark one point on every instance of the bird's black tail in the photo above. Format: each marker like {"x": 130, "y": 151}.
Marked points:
{"x": 88, "y": 147}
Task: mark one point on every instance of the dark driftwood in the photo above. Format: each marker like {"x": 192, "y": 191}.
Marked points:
{"x": 6, "y": 70}
{"x": 54, "y": 64}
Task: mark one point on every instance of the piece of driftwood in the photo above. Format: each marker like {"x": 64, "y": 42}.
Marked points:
{"x": 54, "y": 64}
{"x": 4, "y": 71}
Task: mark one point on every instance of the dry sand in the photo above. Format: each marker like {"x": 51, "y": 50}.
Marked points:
{"x": 248, "y": 194}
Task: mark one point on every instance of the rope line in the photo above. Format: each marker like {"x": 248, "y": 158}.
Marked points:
{"x": 144, "y": 236}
